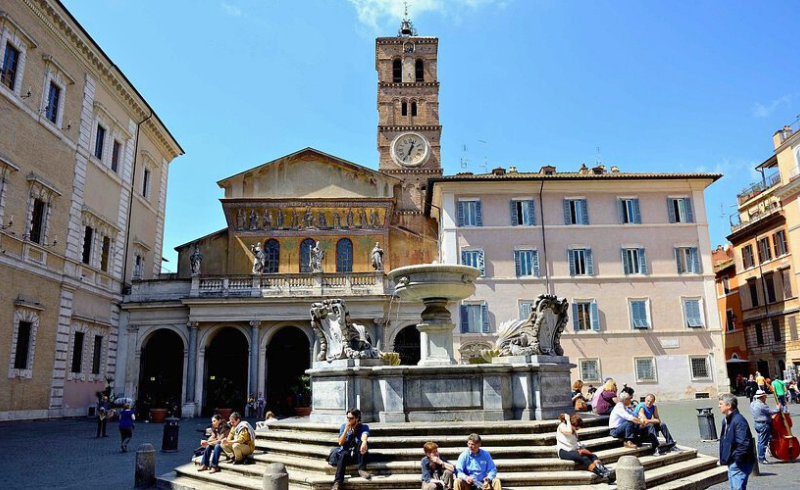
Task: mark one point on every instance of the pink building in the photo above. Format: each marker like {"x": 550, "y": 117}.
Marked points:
{"x": 630, "y": 251}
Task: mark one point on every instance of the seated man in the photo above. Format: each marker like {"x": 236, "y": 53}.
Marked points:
{"x": 623, "y": 423}
{"x": 213, "y": 446}
{"x": 353, "y": 448}
{"x": 647, "y": 411}
{"x": 475, "y": 468}
{"x": 241, "y": 440}
{"x": 437, "y": 472}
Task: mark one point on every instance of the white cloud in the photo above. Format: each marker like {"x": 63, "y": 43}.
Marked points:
{"x": 373, "y": 12}
{"x": 231, "y": 9}
{"x": 762, "y": 111}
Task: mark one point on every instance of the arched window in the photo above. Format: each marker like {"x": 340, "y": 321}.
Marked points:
{"x": 272, "y": 249}
{"x": 404, "y": 108}
{"x": 305, "y": 254}
{"x": 344, "y": 255}
{"x": 413, "y": 108}
{"x": 397, "y": 71}
{"x": 420, "y": 70}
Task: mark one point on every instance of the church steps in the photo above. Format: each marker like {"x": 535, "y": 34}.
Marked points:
{"x": 697, "y": 481}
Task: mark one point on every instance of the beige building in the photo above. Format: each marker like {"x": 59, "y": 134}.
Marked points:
{"x": 83, "y": 175}
{"x": 630, "y": 251}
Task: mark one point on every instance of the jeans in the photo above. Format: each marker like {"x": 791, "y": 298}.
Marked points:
{"x": 625, "y": 431}
{"x": 348, "y": 457}
{"x": 652, "y": 431}
{"x": 207, "y": 454}
{"x": 584, "y": 461}
{"x": 764, "y": 431}
{"x": 738, "y": 473}
{"x": 782, "y": 401}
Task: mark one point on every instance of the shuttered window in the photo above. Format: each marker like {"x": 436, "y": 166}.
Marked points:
{"x": 680, "y": 210}
{"x": 576, "y": 212}
{"x": 475, "y": 318}
{"x": 692, "y": 313}
{"x": 474, "y": 258}
{"x": 640, "y": 314}
{"x": 580, "y": 262}
{"x": 469, "y": 213}
{"x": 526, "y": 262}
{"x": 523, "y": 212}
{"x": 585, "y": 316}
{"x": 628, "y": 210}
{"x": 687, "y": 260}
{"x": 634, "y": 261}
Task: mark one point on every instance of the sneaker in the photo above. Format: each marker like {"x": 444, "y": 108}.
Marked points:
{"x": 364, "y": 474}
{"x": 335, "y": 486}
{"x": 630, "y": 445}
{"x": 675, "y": 449}
{"x": 764, "y": 461}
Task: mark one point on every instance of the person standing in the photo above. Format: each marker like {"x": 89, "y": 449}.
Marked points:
{"x": 126, "y": 418}
{"x": 103, "y": 408}
{"x": 761, "y": 382}
{"x": 762, "y": 421}
{"x": 735, "y": 443}
{"x": 750, "y": 388}
{"x": 779, "y": 388}
{"x": 475, "y": 468}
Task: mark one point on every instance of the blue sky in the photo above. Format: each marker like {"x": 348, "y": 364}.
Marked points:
{"x": 658, "y": 86}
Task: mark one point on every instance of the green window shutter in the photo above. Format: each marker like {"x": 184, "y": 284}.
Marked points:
{"x": 531, "y": 205}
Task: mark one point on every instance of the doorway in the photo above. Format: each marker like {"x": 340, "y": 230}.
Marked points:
{"x": 226, "y": 369}
{"x": 288, "y": 357}
{"x": 161, "y": 374}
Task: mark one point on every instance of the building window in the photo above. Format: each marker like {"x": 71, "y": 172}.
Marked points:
{"x": 764, "y": 250}
{"x": 688, "y": 260}
{"x": 38, "y": 221}
{"x": 469, "y": 213}
{"x": 475, "y": 318}
{"x": 645, "y": 370}
{"x": 759, "y": 334}
{"x": 104, "y": 253}
{"x": 344, "y": 255}
{"x": 77, "y": 353}
{"x": 305, "y": 254}
{"x": 522, "y": 212}
{"x": 97, "y": 354}
{"x": 474, "y": 258}
{"x": 576, "y": 212}
{"x": 634, "y": 261}
{"x": 629, "y": 211}
{"x": 786, "y": 278}
{"x": 8, "y": 76}
{"x": 585, "y": 315}
{"x": 53, "y": 96}
{"x": 404, "y": 108}
{"x": 693, "y": 313}
{"x": 580, "y": 262}
{"x": 590, "y": 370}
{"x": 99, "y": 141}
{"x": 700, "y": 368}
{"x": 779, "y": 242}
{"x": 115, "y": 152}
{"x": 730, "y": 320}
{"x": 525, "y": 309}
{"x": 397, "y": 71}
{"x": 640, "y": 313}
{"x": 526, "y": 262}
{"x": 23, "y": 345}
{"x": 748, "y": 260}
{"x": 419, "y": 69}
{"x": 413, "y": 108}
{"x": 726, "y": 285}
{"x": 769, "y": 283}
{"x": 138, "y": 267}
{"x": 753, "y": 288}
{"x": 272, "y": 250}
{"x": 88, "y": 237}
{"x": 680, "y": 210}
{"x": 146, "y": 183}
{"x": 776, "y": 329}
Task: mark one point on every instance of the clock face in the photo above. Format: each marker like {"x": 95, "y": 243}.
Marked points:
{"x": 410, "y": 149}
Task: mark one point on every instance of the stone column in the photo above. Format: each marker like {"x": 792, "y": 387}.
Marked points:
{"x": 381, "y": 326}
{"x": 189, "y": 406}
{"x": 436, "y": 334}
{"x": 133, "y": 360}
{"x": 254, "y": 325}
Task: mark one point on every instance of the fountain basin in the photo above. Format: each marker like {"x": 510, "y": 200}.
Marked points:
{"x": 428, "y": 281}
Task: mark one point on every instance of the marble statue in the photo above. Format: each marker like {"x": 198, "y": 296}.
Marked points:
{"x": 376, "y": 257}
{"x": 308, "y": 218}
{"x": 315, "y": 258}
{"x": 350, "y": 219}
{"x": 323, "y": 220}
{"x": 337, "y": 220}
{"x": 239, "y": 219}
{"x": 259, "y": 258}
{"x": 195, "y": 260}
{"x": 537, "y": 335}
{"x": 279, "y": 219}
{"x": 362, "y": 218}
{"x": 267, "y": 220}
{"x": 295, "y": 224}
{"x": 339, "y": 338}
{"x": 253, "y": 220}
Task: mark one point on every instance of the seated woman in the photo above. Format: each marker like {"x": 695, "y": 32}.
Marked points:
{"x": 212, "y": 448}
{"x": 269, "y": 418}
{"x": 579, "y": 402}
{"x": 570, "y": 448}
{"x": 607, "y": 399}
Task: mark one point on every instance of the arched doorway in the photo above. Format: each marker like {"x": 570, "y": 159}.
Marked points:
{"x": 288, "y": 357}
{"x": 406, "y": 343}
{"x": 160, "y": 373}
{"x": 227, "y": 363}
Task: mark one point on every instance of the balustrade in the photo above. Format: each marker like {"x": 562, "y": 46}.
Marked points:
{"x": 269, "y": 285}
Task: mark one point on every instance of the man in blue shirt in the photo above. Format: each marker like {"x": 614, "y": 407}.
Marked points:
{"x": 353, "y": 437}
{"x": 647, "y": 411}
{"x": 475, "y": 468}
{"x": 762, "y": 420}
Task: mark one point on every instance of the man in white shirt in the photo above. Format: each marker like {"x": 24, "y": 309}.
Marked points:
{"x": 624, "y": 424}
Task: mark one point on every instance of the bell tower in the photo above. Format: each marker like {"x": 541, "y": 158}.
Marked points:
{"x": 408, "y": 116}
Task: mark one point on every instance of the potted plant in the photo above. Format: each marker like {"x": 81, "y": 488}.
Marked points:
{"x": 302, "y": 395}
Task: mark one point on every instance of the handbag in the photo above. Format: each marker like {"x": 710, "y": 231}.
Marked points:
{"x": 580, "y": 405}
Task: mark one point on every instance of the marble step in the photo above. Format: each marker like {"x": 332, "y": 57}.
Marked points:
{"x": 697, "y": 481}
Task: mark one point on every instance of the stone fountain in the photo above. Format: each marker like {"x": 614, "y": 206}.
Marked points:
{"x": 526, "y": 376}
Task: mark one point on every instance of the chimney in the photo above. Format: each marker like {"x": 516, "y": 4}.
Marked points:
{"x": 781, "y": 135}
{"x": 583, "y": 170}
{"x": 614, "y": 169}
{"x": 547, "y": 170}
{"x": 512, "y": 170}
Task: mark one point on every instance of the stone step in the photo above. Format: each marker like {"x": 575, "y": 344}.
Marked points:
{"x": 176, "y": 481}
{"x": 697, "y": 481}
{"x": 225, "y": 478}
{"x": 665, "y": 474}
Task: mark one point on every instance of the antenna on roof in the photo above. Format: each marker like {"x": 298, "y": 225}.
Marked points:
{"x": 485, "y": 160}
{"x": 464, "y": 160}
{"x": 598, "y": 158}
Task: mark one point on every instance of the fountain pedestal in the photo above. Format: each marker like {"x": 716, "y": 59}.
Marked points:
{"x": 436, "y": 334}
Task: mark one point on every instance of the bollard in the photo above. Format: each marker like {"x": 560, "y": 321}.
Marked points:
{"x": 630, "y": 473}
{"x": 145, "y": 466}
{"x": 275, "y": 477}
{"x": 706, "y": 423}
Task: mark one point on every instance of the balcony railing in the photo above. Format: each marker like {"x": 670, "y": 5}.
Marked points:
{"x": 758, "y": 187}
{"x": 275, "y": 285}
{"x": 768, "y": 210}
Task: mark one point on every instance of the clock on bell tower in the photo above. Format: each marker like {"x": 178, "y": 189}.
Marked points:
{"x": 408, "y": 112}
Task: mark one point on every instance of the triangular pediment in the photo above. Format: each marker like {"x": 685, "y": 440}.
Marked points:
{"x": 309, "y": 173}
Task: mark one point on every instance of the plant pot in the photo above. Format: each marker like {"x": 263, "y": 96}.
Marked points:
{"x": 225, "y": 413}
{"x": 157, "y": 415}
{"x": 302, "y": 411}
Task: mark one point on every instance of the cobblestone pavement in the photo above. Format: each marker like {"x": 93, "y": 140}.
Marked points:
{"x": 64, "y": 454}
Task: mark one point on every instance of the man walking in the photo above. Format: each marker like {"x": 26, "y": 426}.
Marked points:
{"x": 762, "y": 420}
{"x": 735, "y": 443}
